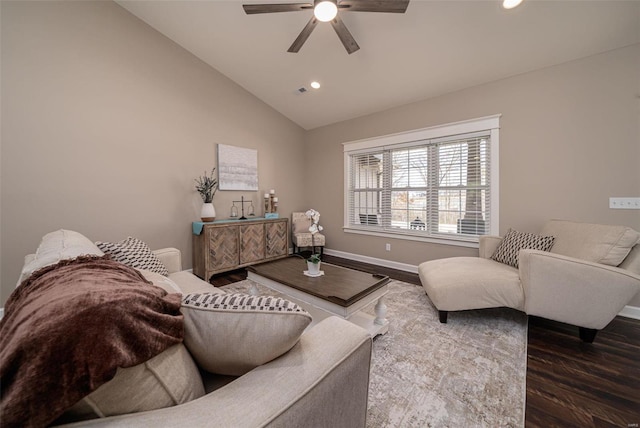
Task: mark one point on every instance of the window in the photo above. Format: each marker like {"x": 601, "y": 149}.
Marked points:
{"x": 438, "y": 183}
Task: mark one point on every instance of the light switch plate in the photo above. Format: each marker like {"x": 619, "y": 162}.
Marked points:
{"x": 624, "y": 203}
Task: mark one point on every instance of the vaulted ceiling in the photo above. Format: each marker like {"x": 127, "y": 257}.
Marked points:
{"x": 434, "y": 48}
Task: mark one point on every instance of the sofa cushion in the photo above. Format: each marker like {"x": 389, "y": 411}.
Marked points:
{"x": 166, "y": 283}
{"x": 135, "y": 253}
{"x": 599, "y": 243}
{"x": 459, "y": 283}
{"x": 165, "y": 380}
{"x": 508, "y": 252}
{"x": 232, "y": 334}
{"x": 189, "y": 283}
{"x": 55, "y": 246}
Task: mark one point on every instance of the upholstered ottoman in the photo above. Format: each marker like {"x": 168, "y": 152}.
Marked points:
{"x": 460, "y": 283}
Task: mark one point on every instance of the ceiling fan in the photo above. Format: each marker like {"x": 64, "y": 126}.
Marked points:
{"x": 327, "y": 10}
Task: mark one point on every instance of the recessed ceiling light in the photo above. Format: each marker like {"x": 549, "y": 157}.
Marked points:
{"x": 510, "y": 4}
{"x": 315, "y": 85}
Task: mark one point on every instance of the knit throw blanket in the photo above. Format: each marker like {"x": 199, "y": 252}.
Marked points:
{"x": 68, "y": 327}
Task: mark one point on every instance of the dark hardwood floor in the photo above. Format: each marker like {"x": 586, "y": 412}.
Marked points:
{"x": 569, "y": 383}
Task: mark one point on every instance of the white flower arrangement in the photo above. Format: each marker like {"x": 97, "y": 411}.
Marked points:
{"x": 315, "y": 219}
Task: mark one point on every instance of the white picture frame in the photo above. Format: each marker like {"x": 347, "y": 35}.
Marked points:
{"x": 237, "y": 168}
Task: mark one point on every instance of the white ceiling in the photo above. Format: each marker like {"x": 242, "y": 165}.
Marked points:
{"x": 434, "y": 48}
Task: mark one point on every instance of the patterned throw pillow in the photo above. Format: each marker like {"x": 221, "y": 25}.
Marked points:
{"x": 231, "y": 334}
{"x": 135, "y": 253}
{"x": 508, "y": 252}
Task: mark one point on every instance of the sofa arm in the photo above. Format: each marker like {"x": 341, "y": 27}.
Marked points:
{"x": 488, "y": 245}
{"x": 323, "y": 381}
{"x": 574, "y": 291}
{"x": 171, "y": 258}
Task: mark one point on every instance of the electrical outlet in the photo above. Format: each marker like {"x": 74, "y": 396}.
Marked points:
{"x": 624, "y": 203}
{"x": 387, "y": 247}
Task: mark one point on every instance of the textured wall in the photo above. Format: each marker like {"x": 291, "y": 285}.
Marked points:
{"x": 105, "y": 124}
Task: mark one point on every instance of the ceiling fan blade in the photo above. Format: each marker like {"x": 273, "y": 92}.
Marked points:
{"x": 388, "y": 6}
{"x": 345, "y": 36}
{"x": 304, "y": 35}
{"x": 251, "y": 9}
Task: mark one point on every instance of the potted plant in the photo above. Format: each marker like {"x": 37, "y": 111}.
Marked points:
{"x": 313, "y": 264}
{"x": 207, "y": 185}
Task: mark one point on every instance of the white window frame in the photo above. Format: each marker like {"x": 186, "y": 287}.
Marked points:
{"x": 409, "y": 138}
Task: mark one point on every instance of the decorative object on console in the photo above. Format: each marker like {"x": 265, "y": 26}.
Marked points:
{"x": 207, "y": 185}
{"x": 250, "y": 209}
{"x": 313, "y": 265}
{"x": 238, "y": 168}
{"x": 271, "y": 204}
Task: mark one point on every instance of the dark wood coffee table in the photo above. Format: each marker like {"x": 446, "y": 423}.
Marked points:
{"x": 340, "y": 291}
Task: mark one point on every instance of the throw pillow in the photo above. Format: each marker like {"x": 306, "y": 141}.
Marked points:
{"x": 231, "y": 334}
{"x": 134, "y": 253}
{"x": 599, "y": 243}
{"x": 55, "y": 246}
{"x": 165, "y": 380}
{"x": 508, "y": 252}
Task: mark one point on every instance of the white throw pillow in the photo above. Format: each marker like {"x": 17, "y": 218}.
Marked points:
{"x": 599, "y": 243}
{"x": 231, "y": 334}
{"x": 165, "y": 380}
{"x": 56, "y": 246}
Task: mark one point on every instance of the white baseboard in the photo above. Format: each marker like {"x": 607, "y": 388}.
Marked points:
{"x": 628, "y": 311}
{"x": 1, "y": 313}
{"x": 374, "y": 261}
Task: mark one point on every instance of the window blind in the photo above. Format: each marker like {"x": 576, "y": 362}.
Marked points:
{"x": 438, "y": 188}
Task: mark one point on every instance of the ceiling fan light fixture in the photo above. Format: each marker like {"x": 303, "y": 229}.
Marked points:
{"x": 510, "y": 4}
{"x": 325, "y": 10}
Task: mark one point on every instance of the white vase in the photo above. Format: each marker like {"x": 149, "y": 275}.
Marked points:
{"x": 313, "y": 268}
{"x": 208, "y": 212}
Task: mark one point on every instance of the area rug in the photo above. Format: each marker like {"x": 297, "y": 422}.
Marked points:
{"x": 470, "y": 372}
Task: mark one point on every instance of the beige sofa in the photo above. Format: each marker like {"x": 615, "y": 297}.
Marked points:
{"x": 591, "y": 272}
{"x": 321, "y": 382}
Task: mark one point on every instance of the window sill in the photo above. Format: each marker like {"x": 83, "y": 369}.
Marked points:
{"x": 469, "y": 243}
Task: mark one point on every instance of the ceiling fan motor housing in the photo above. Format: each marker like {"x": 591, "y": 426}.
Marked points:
{"x": 386, "y": 6}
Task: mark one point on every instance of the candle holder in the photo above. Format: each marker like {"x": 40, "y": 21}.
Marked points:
{"x": 270, "y": 204}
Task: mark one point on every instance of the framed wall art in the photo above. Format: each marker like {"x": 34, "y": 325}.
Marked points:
{"x": 237, "y": 168}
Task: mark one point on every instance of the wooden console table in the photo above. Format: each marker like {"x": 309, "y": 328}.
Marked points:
{"x": 226, "y": 245}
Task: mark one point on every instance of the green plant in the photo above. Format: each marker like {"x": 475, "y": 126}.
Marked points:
{"x": 314, "y": 258}
{"x": 207, "y": 185}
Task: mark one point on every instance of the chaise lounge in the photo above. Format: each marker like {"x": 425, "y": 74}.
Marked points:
{"x": 585, "y": 278}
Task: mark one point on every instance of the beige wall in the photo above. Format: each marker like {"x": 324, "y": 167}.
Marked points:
{"x": 569, "y": 139}
{"x": 105, "y": 124}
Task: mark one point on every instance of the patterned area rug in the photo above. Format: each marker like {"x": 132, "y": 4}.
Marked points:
{"x": 468, "y": 372}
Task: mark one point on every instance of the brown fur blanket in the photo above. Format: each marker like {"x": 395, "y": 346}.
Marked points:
{"x": 68, "y": 327}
